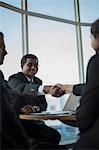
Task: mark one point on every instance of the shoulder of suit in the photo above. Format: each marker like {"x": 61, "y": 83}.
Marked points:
{"x": 37, "y": 80}
{"x": 94, "y": 58}
{"x": 16, "y": 75}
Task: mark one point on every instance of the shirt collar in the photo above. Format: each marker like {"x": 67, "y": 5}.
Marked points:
{"x": 29, "y": 79}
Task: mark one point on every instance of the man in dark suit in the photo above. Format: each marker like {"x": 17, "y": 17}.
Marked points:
{"x": 12, "y": 134}
{"x": 88, "y": 111}
{"x": 26, "y": 85}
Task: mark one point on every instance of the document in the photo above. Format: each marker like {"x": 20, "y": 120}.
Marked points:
{"x": 53, "y": 113}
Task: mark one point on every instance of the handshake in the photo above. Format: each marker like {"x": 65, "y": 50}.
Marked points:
{"x": 58, "y": 90}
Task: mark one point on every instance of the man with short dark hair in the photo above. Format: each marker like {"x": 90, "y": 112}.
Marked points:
{"x": 27, "y": 84}
{"x": 12, "y": 133}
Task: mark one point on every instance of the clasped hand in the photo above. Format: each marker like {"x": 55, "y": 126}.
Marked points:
{"x": 57, "y": 90}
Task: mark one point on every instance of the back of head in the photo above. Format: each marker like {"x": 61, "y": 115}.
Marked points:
{"x": 1, "y": 34}
{"x": 3, "y": 52}
{"x": 1, "y": 38}
{"x": 95, "y": 28}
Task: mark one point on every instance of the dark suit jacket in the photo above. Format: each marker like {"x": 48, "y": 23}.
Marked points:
{"x": 22, "y": 87}
{"x": 78, "y": 89}
{"x": 19, "y": 83}
{"x": 12, "y": 134}
{"x": 88, "y": 111}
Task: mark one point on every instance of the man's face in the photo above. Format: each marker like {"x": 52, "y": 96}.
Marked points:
{"x": 2, "y": 50}
{"x": 30, "y": 68}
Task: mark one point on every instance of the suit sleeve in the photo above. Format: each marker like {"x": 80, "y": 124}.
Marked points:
{"x": 78, "y": 89}
{"x": 89, "y": 104}
{"x": 22, "y": 100}
{"x": 11, "y": 127}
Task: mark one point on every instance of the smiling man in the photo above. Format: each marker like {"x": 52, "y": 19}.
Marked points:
{"x": 26, "y": 83}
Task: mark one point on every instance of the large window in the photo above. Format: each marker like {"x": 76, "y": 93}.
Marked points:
{"x": 51, "y": 42}
{"x": 89, "y": 10}
{"x": 58, "y": 8}
{"x": 11, "y": 27}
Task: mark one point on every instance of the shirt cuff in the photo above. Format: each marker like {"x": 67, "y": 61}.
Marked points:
{"x": 40, "y": 89}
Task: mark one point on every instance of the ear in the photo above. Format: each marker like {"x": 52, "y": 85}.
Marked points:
{"x": 36, "y": 69}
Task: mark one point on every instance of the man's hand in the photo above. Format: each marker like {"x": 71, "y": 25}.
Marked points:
{"x": 67, "y": 88}
{"x": 57, "y": 91}
{"x": 30, "y": 109}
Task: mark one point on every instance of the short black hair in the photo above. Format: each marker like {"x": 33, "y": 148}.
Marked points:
{"x": 1, "y": 33}
{"x": 24, "y": 59}
{"x": 95, "y": 28}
